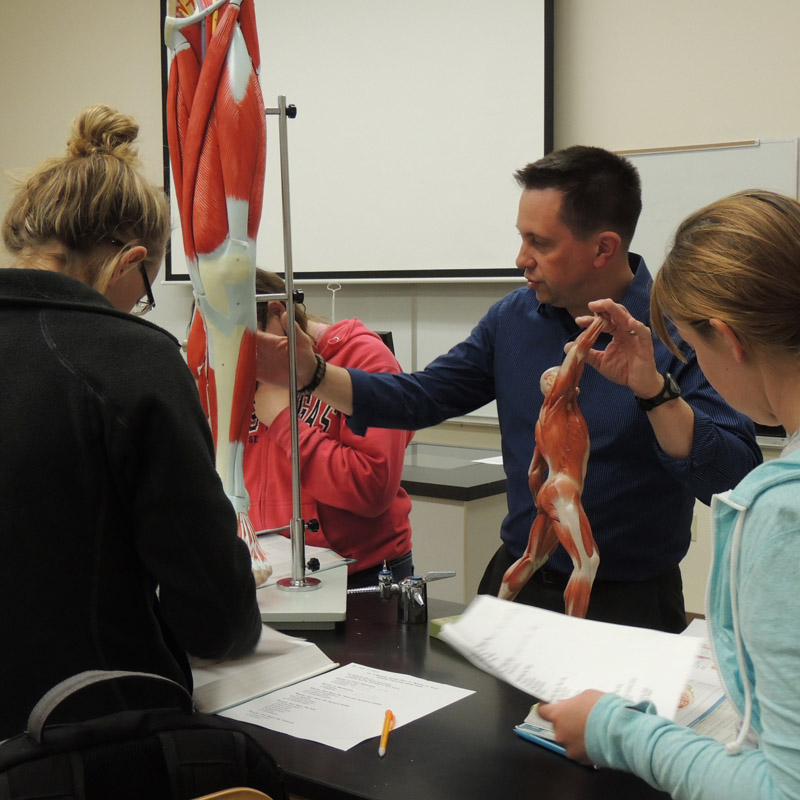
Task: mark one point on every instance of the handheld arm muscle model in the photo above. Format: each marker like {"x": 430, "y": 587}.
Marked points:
{"x": 217, "y": 142}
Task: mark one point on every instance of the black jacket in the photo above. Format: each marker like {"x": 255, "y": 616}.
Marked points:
{"x": 118, "y": 546}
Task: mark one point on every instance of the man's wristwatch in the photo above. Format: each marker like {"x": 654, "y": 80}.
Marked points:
{"x": 671, "y": 391}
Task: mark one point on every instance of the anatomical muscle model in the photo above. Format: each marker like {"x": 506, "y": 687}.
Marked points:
{"x": 217, "y": 143}
{"x": 555, "y": 477}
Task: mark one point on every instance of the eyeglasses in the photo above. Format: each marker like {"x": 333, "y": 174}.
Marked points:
{"x": 146, "y": 302}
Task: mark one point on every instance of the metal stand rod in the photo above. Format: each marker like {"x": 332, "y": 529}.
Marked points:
{"x": 298, "y": 580}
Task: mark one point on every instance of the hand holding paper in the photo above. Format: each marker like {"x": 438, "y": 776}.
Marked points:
{"x": 555, "y": 657}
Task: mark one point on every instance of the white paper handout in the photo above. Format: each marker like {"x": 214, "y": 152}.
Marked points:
{"x": 553, "y": 657}
{"x": 279, "y": 660}
{"x": 346, "y": 706}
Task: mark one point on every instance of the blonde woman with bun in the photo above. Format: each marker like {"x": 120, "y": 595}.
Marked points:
{"x": 731, "y": 287}
{"x": 118, "y": 546}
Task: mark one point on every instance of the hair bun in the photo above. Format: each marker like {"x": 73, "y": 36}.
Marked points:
{"x": 100, "y": 130}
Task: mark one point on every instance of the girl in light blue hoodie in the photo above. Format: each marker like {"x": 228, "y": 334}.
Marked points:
{"x": 731, "y": 286}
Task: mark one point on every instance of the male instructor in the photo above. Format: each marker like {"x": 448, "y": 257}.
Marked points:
{"x": 660, "y": 435}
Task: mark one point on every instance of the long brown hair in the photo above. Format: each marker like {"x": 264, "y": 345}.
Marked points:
{"x": 736, "y": 260}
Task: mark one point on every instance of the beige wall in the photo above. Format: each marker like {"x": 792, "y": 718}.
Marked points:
{"x": 649, "y": 73}
{"x": 59, "y": 56}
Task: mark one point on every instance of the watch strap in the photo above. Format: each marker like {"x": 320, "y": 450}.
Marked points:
{"x": 670, "y": 391}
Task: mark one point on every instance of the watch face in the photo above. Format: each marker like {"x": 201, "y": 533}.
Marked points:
{"x": 671, "y": 388}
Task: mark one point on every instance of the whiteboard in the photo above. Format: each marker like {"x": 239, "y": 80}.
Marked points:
{"x": 677, "y": 182}
{"x": 411, "y": 119}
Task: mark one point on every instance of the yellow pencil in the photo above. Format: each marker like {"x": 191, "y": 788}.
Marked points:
{"x": 388, "y": 724}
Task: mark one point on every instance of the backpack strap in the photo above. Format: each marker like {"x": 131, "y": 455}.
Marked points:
{"x": 48, "y": 703}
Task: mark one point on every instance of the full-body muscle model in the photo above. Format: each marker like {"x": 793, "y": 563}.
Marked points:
{"x": 217, "y": 143}
{"x": 556, "y": 476}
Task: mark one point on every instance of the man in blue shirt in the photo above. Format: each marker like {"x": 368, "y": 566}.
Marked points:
{"x": 659, "y": 439}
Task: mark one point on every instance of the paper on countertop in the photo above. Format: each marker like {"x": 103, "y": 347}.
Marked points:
{"x": 279, "y": 660}
{"x": 552, "y": 656}
{"x": 489, "y": 460}
{"x": 347, "y": 706}
{"x": 272, "y": 642}
{"x": 279, "y": 555}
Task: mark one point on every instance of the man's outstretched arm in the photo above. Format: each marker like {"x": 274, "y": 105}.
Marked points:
{"x": 336, "y": 387}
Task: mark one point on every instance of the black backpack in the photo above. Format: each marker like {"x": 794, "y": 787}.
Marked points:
{"x": 162, "y": 754}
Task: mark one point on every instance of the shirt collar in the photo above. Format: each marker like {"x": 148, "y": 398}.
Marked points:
{"x": 637, "y": 296}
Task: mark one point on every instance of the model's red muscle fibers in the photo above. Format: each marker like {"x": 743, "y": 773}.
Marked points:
{"x": 556, "y": 476}
{"x": 217, "y": 142}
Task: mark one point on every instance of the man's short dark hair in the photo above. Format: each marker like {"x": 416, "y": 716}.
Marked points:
{"x": 602, "y": 191}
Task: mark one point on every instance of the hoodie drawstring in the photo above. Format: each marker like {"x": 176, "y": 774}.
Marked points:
{"x": 734, "y": 747}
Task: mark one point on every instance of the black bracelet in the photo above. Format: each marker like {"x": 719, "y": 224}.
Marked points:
{"x": 319, "y": 374}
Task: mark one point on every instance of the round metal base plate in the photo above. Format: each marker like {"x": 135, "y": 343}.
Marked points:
{"x": 306, "y": 585}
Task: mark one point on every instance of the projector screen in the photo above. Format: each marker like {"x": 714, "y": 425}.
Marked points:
{"x": 411, "y": 120}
